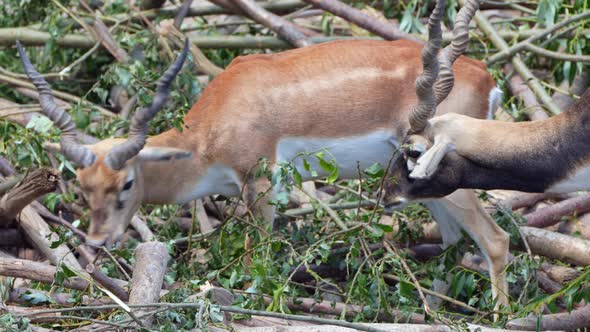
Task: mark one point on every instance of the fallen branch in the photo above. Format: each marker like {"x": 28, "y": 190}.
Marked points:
{"x": 281, "y": 26}
{"x": 516, "y": 61}
{"x": 577, "y": 319}
{"x": 107, "y": 282}
{"x": 151, "y": 259}
{"x": 104, "y": 36}
{"x": 142, "y": 228}
{"x": 552, "y": 214}
{"x": 512, "y": 50}
{"x": 351, "y": 14}
{"x": 524, "y": 200}
{"x": 35, "y": 184}
{"x": 557, "y": 246}
{"x": 519, "y": 88}
{"x": 26, "y": 269}
{"x": 65, "y": 96}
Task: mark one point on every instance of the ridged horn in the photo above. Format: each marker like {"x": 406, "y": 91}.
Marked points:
{"x": 459, "y": 44}
{"x": 426, "y": 106}
{"x": 119, "y": 154}
{"x": 72, "y": 150}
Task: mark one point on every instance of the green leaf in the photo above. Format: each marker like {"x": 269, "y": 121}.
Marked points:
{"x": 40, "y": 124}
{"x": 36, "y": 297}
{"x": 406, "y": 289}
{"x": 297, "y": 177}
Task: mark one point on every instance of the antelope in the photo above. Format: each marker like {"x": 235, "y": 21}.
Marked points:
{"x": 352, "y": 98}
{"x": 452, "y": 151}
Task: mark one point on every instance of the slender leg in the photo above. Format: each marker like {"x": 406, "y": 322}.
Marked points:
{"x": 258, "y": 196}
{"x": 463, "y": 209}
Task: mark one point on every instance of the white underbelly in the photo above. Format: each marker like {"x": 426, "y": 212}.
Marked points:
{"x": 218, "y": 179}
{"x": 347, "y": 152}
{"x": 579, "y": 181}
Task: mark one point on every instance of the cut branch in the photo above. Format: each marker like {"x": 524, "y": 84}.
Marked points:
{"x": 577, "y": 319}
{"x": 151, "y": 259}
{"x": 552, "y": 214}
{"x": 35, "y": 184}
{"x": 21, "y": 268}
{"x": 107, "y": 282}
{"x": 557, "y": 246}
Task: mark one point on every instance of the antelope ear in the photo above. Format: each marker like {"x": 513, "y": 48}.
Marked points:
{"x": 428, "y": 163}
{"x": 162, "y": 154}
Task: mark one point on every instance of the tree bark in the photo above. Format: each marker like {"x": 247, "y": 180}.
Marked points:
{"x": 557, "y": 246}
{"x": 577, "y": 319}
{"x": 107, "y": 282}
{"x": 21, "y": 268}
{"x": 353, "y": 15}
{"x": 37, "y": 183}
{"x": 552, "y": 214}
{"x": 281, "y": 26}
{"x": 151, "y": 259}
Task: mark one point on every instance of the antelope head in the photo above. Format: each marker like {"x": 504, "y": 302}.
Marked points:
{"x": 426, "y": 146}
{"x": 109, "y": 171}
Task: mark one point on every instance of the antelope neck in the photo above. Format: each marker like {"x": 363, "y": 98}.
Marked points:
{"x": 534, "y": 156}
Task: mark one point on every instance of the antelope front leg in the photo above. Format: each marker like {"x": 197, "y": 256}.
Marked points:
{"x": 490, "y": 238}
{"x": 463, "y": 210}
{"x": 258, "y": 196}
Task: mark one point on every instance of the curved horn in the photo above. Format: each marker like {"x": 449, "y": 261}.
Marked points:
{"x": 119, "y": 154}
{"x": 426, "y": 106}
{"x": 74, "y": 151}
{"x": 460, "y": 42}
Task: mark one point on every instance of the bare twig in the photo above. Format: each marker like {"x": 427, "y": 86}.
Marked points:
{"x": 282, "y": 27}
{"x": 517, "y": 62}
{"x": 509, "y": 51}
{"x": 58, "y": 94}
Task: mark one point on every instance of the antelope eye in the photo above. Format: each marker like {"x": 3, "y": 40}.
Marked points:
{"x": 127, "y": 185}
{"x": 414, "y": 154}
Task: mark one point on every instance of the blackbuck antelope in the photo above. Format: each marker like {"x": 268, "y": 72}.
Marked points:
{"x": 353, "y": 98}
{"x": 453, "y": 151}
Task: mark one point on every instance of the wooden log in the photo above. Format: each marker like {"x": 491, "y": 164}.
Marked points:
{"x": 151, "y": 259}
{"x": 577, "y": 319}
{"x": 42, "y": 237}
{"x": 557, "y": 246}
{"x": 551, "y": 215}
{"x": 107, "y": 282}
{"x": 21, "y": 268}
{"x": 35, "y": 184}
{"x": 376, "y": 326}
{"x": 519, "y": 88}
{"x": 576, "y": 227}
{"x": 560, "y": 274}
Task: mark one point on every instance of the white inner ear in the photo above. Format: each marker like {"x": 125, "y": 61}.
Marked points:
{"x": 161, "y": 154}
{"x": 427, "y": 164}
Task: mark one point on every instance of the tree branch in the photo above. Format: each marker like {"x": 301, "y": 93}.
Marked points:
{"x": 37, "y": 183}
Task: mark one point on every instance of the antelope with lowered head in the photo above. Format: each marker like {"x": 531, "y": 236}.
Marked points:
{"x": 352, "y": 98}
